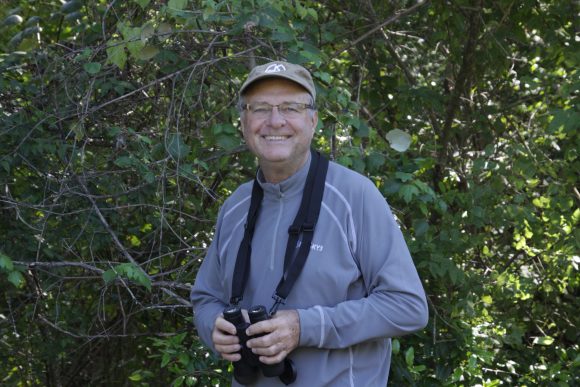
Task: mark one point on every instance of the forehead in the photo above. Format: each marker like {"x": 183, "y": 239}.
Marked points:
{"x": 274, "y": 88}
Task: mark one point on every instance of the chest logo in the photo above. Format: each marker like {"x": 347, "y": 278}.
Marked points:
{"x": 313, "y": 246}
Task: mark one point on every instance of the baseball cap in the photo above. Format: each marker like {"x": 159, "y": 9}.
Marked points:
{"x": 279, "y": 69}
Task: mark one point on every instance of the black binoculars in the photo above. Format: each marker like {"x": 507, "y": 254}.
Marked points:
{"x": 246, "y": 369}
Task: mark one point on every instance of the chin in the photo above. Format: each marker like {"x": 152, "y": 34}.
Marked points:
{"x": 276, "y": 156}
{"x": 275, "y": 159}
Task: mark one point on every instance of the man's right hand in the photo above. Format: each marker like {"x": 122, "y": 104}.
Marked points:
{"x": 225, "y": 340}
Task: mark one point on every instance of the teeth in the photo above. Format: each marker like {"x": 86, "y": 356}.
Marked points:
{"x": 275, "y": 138}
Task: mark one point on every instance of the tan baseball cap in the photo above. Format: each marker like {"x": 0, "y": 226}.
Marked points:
{"x": 290, "y": 71}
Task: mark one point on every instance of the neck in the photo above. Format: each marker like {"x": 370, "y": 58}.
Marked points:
{"x": 275, "y": 173}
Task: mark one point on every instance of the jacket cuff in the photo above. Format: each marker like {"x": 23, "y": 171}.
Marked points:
{"x": 311, "y": 326}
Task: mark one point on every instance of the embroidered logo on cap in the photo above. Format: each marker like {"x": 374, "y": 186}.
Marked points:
{"x": 275, "y": 68}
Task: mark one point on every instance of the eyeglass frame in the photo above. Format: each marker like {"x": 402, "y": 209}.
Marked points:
{"x": 304, "y": 106}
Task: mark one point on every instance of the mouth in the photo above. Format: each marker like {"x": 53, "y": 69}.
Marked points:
{"x": 275, "y": 138}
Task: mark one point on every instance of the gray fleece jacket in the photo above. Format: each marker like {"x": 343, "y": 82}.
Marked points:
{"x": 358, "y": 288}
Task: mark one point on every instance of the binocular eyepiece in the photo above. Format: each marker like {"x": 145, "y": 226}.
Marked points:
{"x": 246, "y": 369}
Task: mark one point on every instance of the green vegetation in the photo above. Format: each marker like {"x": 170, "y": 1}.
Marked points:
{"x": 119, "y": 142}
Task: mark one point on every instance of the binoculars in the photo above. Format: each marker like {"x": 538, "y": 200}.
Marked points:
{"x": 246, "y": 369}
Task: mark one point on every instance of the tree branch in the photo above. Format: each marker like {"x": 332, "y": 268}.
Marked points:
{"x": 395, "y": 17}
{"x": 463, "y": 80}
{"x": 34, "y": 265}
{"x": 108, "y": 227}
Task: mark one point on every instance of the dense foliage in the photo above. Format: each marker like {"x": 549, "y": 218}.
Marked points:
{"x": 119, "y": 141}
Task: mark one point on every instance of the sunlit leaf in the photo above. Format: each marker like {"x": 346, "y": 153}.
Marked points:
{"x": 396, "y": 346}
{"x": 399, "y": 140}
{"x": 410, "y": 356}
{"x": 135, "y": 241}
{"x": 544, "y": 340}
{"x": 136, "y": 376}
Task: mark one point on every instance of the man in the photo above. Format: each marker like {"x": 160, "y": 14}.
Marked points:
{"x": 358, "y": 286}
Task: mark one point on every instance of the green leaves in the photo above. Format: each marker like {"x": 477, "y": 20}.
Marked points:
{"x": 410, "y": 356}
{"x": 177, "y": 4}
{"x": 129, "y": 271}
{"x": 544, "y": 340}
{"x": 567, "y": 121}
{"x": 134, "y": 99}
{"x": 6, "y": 263}
{"x": 136, "y": 41}
{"x": 148, "y": 52}
{"x": 176, "y": 147}
{"x": 142, "y": 3}
{"x": 116, "y": 53}
{"x": 227, "y": 136}
{"x": 92, "y": 67}
{"x": 13, "y": 274}
{"x": 360, "y": 126}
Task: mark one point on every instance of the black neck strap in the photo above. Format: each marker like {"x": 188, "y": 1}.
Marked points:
{"x": 303, "y": 226}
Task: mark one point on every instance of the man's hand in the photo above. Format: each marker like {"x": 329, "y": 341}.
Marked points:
{"x": 281, "y": 336}
{"x": 225, "y": 340}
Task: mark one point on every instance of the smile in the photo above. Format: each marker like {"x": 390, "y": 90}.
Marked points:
{"x": 276, "y": 138}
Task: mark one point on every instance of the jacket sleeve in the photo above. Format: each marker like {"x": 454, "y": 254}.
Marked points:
{"x": 207, "y": 294}
{"x": 395, "y": 304}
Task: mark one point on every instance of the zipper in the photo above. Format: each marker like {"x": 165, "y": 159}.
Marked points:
{"x": 276, "y": 237}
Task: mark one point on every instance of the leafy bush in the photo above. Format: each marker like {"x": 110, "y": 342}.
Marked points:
{"x": 119, "y": 141}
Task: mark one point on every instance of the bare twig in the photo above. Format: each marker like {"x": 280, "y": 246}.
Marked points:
{"x": 390, "y": 20}
{"x": 179, "y": 299}
{"x": 50, "y": 265}
{"x": 169, "y": 76}
{"x": 105, "y": 224}
{"x": 105, "y": 335}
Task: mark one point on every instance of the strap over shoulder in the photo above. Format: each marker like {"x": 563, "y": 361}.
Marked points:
{"x": 302, "y": 229}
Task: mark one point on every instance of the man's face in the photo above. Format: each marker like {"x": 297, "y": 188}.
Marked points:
{"x": 280, "y": 142}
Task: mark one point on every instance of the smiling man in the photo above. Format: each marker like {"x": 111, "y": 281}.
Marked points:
{"x": 312, "y": 242}
{"x": 275, "y": 126}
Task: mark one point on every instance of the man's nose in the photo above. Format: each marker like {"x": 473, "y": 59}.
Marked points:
{"x": 276, "y": 119}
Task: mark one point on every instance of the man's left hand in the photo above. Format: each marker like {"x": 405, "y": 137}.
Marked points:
{"x": 281, "y": 335}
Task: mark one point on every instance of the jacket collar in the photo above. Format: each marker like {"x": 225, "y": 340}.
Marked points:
{"x": 289, "y": 187}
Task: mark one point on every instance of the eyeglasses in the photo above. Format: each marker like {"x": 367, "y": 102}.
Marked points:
{"x": 286, "y": 109}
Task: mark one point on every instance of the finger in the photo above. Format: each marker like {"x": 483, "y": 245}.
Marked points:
{"x": 225, "y": 326}
{"x": 271, "y": 348}
{"x": 276, "y": 358}
{"x": 227, "y": 349}
{"x": 231, "y": 356}
{"x": 221, "y": 338}
{"x": 263, "y": 342}
{"x": 261, "y": 327}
